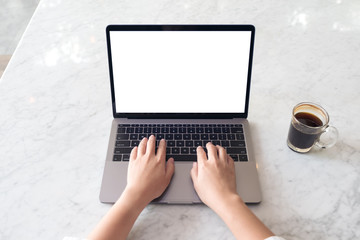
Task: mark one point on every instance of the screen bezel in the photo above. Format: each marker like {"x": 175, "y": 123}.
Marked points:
{"x": 110, "y": 28}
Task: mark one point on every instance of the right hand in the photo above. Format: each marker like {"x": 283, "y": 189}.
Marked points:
{"x": 214, "y": 178}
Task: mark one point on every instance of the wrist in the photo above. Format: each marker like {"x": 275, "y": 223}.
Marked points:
{"x": 135, "y": 198}
{"x": 227, "y": 203}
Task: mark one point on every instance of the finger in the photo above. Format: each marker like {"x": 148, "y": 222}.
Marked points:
{"x": 170, "y": 169}
{"x": 231, "y": 162}
{"x": 212, "y": 151}
{"x": 133, "y": 153}
{"x": 142, "y": 146}
{"x": 150, "y": 148}
{"x": 161, "y": 152}
{"x": 201, "y": 155}
{"x": 194, "y": 172}
{"x": 223, "y": 157}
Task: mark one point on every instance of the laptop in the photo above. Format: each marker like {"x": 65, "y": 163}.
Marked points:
{"x": 188, "y": 84}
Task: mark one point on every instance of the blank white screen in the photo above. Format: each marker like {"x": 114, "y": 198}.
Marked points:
{"x": 180, "y": 71}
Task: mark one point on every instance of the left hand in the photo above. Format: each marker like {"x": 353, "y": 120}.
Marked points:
{"x": 148, "y": 173}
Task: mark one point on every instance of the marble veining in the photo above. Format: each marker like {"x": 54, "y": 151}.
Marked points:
{"x": 56, "y": 115}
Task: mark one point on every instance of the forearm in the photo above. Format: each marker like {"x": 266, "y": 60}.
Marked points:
{"x": 240, "y": 220}
{"x": 117, "y": 223}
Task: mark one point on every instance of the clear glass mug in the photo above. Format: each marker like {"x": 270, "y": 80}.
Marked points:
{"x": 309, "y": 127}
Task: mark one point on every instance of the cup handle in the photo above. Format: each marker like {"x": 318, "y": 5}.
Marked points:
{"x": 328, "y": 138}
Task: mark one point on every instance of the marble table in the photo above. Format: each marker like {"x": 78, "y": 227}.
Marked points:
{"x": 55, "y": 117}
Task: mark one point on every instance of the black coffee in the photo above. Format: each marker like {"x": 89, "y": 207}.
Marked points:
{"x": 302, "y": 140}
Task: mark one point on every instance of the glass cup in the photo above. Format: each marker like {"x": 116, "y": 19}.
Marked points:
{"x": 309, "y": 127}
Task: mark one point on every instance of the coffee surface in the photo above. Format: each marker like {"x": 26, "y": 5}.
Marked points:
{"x": 308, "y": 119}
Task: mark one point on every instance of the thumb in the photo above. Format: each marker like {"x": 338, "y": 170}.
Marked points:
{"x": 194, "y": 171}
{"x": 170, "y": 168}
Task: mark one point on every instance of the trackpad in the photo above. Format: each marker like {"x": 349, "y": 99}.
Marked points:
{"x": 181, "y": 189}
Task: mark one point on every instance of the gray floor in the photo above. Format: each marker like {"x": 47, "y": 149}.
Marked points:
{"x": 14, "y": 17}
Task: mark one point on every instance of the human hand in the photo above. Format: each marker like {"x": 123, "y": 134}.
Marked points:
{"x": 148, "y": 174}
{"x": 214, "y": 178}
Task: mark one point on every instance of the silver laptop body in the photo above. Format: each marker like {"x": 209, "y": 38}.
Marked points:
{"x": 180, "y": 75}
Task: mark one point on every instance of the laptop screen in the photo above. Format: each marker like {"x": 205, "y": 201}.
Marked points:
{"x": 187, "y": 71}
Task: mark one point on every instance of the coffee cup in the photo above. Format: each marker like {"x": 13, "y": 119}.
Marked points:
{"x": 310, "y": 127}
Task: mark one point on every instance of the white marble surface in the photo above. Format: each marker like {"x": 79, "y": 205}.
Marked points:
{"x": 14, "y": 17}
{"x": 55, "y": 117}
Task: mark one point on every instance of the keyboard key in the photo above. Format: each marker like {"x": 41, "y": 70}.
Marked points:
{"x": 213, "y": 136}
{"x": 173, "y": 130}
{"x": 208, "y": 130}
{"x": 189, "y": 143}
{"x": 130, "y": 130}
{"x": 121, "y": 130}
{"x": 156, "y": 130}
{"x": 122, "y": 144}
{"x": 117, "y": 158}
{"x": 134, "y": 136}
{"x": 222, "y": 136}
{"x": 147, "y": 130}
{"x": 191, "y": 130}
{"x": 205, "y": 136}
{"x": 182, "y": 130}
{"x": 135, "y": 143}
{"x": 175, "y": 150}
{"x": 240, "y": 137}
{"x": 139, "y": 130}
{"x": 169, "y": 136}
{"x": 237, "y": 130}
{"x": 143, "y": 135}
{"x": 184, "y": 150}
{"x": 178, "y": 136}
{"x": 126, "y": 157}
{"x": 170, "y": 143}
{"x": 180, "y": 143}
{"x": 237, "y": 143}
{"x": 123, "y": 150}
{"x": 187, "y": 136}
{"x": 197, "y": 143}
{"x": 226, "y": 130}
{"x": 243, "y": 158}
{"x": 122, "y": 137}
{"x": 160, "y": 136}
{"x": 199, "y": 130}
{"x": 191, "y": 158}
{"x": 236, "y": 150}
{"x": 216, "y": 142}
{"x": 217, "y": 130}
{"x": 192, "y": 150}
{"x": 231, "y": 136}
{"x": 225, "y": 143}
{"x": 195, "y": 136}
{"x": 234, "y": 157}
{"x": 165, "y": 130}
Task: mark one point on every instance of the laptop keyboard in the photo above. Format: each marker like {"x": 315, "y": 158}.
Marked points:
{"x": 182, "y": 139}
